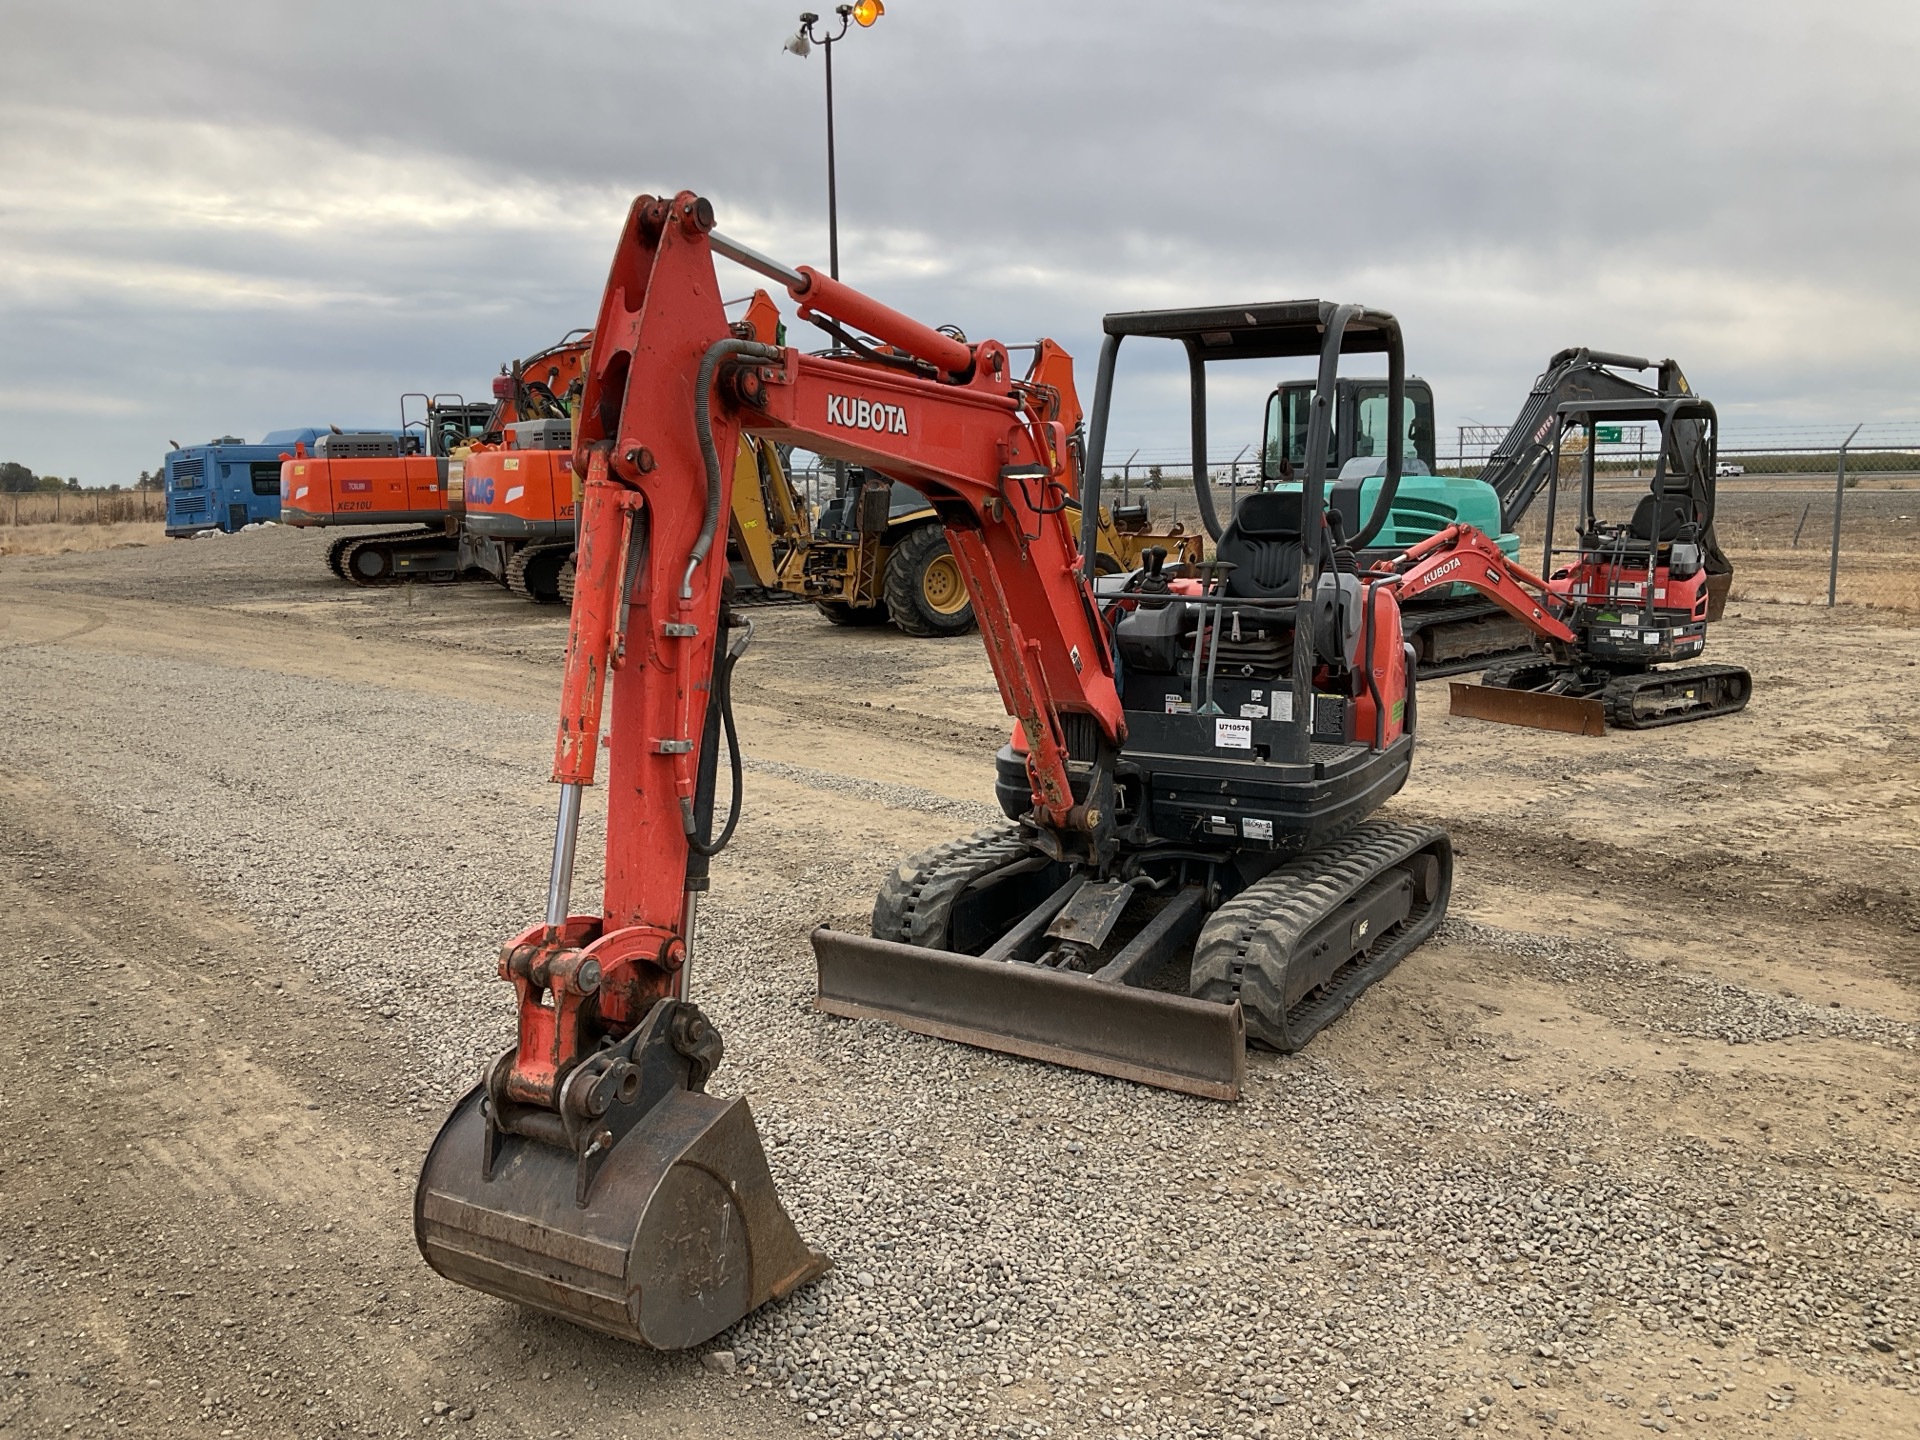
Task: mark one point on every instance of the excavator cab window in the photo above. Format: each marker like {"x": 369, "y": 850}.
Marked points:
{"x": 1284, "y": 447}
{"x": 1359, "y": 428}
{"x": 1370, "y": 430}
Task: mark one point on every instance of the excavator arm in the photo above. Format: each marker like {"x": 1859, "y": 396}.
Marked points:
{"x": 1521, "y": 463}
{"x": 1462, "y": 555}
{"x": 590, "y": 1175}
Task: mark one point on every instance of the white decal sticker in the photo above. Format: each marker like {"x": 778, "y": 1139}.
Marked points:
{"x": 852, "y": 413}
{"x": 514, "y": 492}
{"x": 1177, "y": 705}
{"x": 1253, "y": 712}
{"x": 1232, "y": 734}
{"x": 1283, "y": 705}
{"x": 301, "y": 493}
{"x": 1256, "y": 829}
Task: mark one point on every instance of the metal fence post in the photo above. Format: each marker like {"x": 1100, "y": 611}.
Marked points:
{"x": 1839, "y": 498}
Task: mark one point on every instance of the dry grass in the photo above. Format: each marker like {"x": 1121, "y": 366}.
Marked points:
{"x": 61, "y": 539}
{"x": 82, "y": 507}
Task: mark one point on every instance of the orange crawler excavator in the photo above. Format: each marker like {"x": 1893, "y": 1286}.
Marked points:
{"x": 417, "y": 480}
{"x": 590, "y": 1174}
{"x": 510, "y": 496}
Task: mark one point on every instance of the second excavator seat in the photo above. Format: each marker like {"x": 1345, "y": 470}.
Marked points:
{"x": 1676, "y": 518}
{"x": 1262, "y": 544}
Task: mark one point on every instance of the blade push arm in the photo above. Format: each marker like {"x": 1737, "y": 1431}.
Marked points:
{"x": 1462, "y": 555}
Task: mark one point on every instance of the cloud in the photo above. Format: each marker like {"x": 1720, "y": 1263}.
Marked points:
{"x": 226, "y": 218}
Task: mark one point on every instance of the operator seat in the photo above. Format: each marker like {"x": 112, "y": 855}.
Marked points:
{"x": 1262, "y": 544}
{"x": 1676, "y": 515}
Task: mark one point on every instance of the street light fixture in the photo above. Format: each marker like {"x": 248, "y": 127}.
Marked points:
{"x": 801, "y": 43}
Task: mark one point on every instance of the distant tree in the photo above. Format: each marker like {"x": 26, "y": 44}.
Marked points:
{"x": 1153, "y": 477}
{"x": 49, "y": 483}
{"x": 152, "y": 480}
{"x": 16, "y": 477}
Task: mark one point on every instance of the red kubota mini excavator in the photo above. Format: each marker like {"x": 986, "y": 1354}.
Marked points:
{"x": 1198, "y": 754}
{"x": 1637, "y": 595}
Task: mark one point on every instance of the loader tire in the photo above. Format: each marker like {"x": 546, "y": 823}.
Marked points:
{"x": 852, "y": 616}
{"x": 925, "y": 592}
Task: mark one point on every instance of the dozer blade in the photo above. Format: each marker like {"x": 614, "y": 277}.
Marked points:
{"x": 1197, "y": 1047}
{"x": 1542, "y": 711}
{"x": 681, "y": 1233}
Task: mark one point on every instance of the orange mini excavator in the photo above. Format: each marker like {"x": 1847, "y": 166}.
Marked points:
{"x": 1199, "y": 757}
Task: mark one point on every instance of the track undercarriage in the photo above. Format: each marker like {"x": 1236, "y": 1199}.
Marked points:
{"x": 1642, "y": 699}
{"x": 988, "y": 941}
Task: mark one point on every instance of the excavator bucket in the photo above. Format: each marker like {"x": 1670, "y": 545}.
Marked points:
{"x": 1090, "y": 1022}
{"x": 657, "y": 1222}
{"x": 1570, "y": 714}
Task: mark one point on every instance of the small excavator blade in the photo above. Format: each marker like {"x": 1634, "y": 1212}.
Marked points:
{"x": 1541, "y": 711}
{"x": 1197, "y": 1047}
{"x": 679, "y": 1234}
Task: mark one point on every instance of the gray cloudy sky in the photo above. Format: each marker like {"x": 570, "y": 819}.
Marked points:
{"x": 230, "y": 217}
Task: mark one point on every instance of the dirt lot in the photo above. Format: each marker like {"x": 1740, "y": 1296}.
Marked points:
{"x": 1631, "y": 1146}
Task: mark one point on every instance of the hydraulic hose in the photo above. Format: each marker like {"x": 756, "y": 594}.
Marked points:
{"x": 703, "y": 424}
{"x": 723, "y": 697}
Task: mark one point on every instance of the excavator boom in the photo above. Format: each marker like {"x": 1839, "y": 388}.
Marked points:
{"x": 590, "y": 1175}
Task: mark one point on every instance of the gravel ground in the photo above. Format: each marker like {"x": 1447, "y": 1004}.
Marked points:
{"x": 1554, "y": 1175}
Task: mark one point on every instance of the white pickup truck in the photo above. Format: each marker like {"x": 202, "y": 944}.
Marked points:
{"x": 1728, "y": 467}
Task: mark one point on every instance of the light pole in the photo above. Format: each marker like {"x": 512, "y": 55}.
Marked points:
{"x": 801, "y": 43}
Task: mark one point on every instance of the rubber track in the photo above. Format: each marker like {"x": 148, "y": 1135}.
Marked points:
{"x": 524, "y": 559}
{"x": 563, "y": 582}
{"x": 1521, "y": 672}
{"x": 336, "y": 552}
{"x": 1618, "y": 695}
{"x": 916, "y": 901}
{"x": 1246, "y": 945}
{"x": 1463, "y": 664}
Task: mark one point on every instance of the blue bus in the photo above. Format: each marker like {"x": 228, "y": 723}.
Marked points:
{"x": 228, "y": 483}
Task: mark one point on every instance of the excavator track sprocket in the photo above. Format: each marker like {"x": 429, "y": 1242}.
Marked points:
{"x": 534, "y": 572}
{"x": 1297, "y": 948}
{"x": 1671, "y": 697}
{"x": 336, "y": 554}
